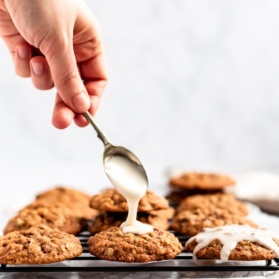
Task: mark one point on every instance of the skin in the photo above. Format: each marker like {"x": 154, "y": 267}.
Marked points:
{"x": 57, "y": 43}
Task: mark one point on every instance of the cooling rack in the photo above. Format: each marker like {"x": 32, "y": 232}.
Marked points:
{"x": 182, "y": 262}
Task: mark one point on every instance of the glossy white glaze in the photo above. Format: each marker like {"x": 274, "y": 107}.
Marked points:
{"x": 128, "y": 181}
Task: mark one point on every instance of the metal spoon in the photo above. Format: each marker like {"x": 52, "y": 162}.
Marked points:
{"x": 111, "y": 150}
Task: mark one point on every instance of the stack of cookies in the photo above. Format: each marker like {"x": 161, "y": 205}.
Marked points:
{"x": 59, "y": 208}
{"x": 43, "y": 231}
{"x": 110, "y": 243}
{"x": 113, "y": 208}
{"x": 212, "y": 207}
{"x": 73, "y": 199}
{"x": 191, "y": 183}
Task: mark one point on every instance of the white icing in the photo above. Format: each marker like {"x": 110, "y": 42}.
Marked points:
{"x": 137, "y": 227}
{"x": 231, "y": 235}
{"x": 128, "y": 180}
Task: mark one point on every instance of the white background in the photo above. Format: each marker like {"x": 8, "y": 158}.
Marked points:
{"x": 192, "y": 84}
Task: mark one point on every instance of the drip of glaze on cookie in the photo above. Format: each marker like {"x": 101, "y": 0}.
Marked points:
{"x": 232, "y": 234}
{"x": 129, "y": 182}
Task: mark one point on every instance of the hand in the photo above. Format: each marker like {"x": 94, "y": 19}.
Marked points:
{"x": 57, "y": 43}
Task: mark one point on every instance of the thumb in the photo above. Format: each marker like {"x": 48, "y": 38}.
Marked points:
{"x": 67, "y": 79}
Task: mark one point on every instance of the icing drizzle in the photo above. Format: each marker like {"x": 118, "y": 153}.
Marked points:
{"x": 129, "y": 182}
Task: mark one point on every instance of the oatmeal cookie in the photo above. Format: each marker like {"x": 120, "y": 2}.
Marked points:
{"x": 76, "y": 200}
{"x": 157, "y": 218}
{"x": 111, "y": 200}
{"x": 114, "y": 245}
{"x": 177, "y": 195}
{"x": 191, "y": 222}
{"x": 52, "y": 216}
{"x": 201, "y": 181}
{"x": 39, "y": 245}
{"x": 246, "y": 249}
{"x": 223, "y": 201}
{"x": 43, "y": 203}
{"x": 107, "y": 220}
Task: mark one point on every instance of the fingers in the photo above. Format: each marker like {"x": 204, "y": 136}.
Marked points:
{"x": 22, "y": 57}
{"x": 66, "y": 78}
{"x": 36, "y": 67}
{"x": 62, "y": 115}
{"x": 94, "y": 67}
{"x": 80, "y": 119}
{"x": 95, "y": 90}
{"x": 94, "y": 73}
{"x": 40, "y": 73}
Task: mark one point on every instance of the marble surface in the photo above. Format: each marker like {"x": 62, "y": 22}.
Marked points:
{"x": 192, "y": 84}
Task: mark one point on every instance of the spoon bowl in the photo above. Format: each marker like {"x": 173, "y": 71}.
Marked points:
{"x": 120, "y": 151}
{"x": 112, "y": 151}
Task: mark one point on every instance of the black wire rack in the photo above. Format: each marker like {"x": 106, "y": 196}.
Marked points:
{"x": 182, "y": 262}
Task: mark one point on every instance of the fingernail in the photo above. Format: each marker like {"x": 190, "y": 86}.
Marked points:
{"x": 23, "y": 52}
{"x": 38, "y": 69}
{"x": 81, "y": 102}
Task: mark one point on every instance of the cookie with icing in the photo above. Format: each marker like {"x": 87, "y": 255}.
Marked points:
{"x": 157, "y": 218}
{"x": 114, "y": 245}
{"x": 234, "y": 242}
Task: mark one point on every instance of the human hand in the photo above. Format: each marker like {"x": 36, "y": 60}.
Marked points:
{"x": 57, "y": 43}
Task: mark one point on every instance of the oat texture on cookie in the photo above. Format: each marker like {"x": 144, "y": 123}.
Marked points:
{"x": 55, "y": 217}
{"x": 38, "y": 245}
{"x": 114, "y": 245}
{"x": 153, "y": 210}
{"x": 191, "y": 222}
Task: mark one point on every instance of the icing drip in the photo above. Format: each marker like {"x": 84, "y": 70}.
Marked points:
{"x": 129, "y": 182}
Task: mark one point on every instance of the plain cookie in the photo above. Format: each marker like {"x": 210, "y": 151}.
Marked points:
{"x": 201, "y": 181}
{"x": 191, "y": 222}
{"x": 221, "y": 200}
{"x": 111, "y": 200}
{"x": 39, "y": 245}
{"x": 75, "y": 200}
{"x": 53, "y": 216}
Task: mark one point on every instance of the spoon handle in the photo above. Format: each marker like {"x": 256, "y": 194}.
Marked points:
{"x": 101, "y": 135}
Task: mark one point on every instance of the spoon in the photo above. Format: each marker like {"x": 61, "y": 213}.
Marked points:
{"x": 112, "y": 151}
